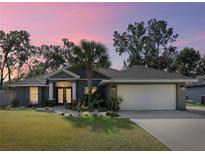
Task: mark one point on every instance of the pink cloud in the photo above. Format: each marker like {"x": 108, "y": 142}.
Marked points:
{"x": 193, "y": 39}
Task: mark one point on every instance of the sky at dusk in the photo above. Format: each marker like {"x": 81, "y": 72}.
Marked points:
{"x": 48, "y": 23}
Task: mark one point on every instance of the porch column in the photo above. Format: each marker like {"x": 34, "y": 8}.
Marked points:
{"x": 50, "y": 91}
{"x": 74, "y": 90}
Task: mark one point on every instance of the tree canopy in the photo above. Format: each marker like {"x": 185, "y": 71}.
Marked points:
{"x": 15, "y": 50}
{"x": 147, "y": 45}
{"x": 89, "y": 54}
{"x": 189, "y": 62}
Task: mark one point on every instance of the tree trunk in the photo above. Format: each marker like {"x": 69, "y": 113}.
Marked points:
{"x": 89, "y": 75}
{"x": 1, "y": 82}
{"x": 9, "y": 74}
{"x": 2, "y": 71}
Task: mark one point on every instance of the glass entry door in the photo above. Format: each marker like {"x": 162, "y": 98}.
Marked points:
{"x": 60, "y": 96}
{"x": 68, "y": 94}
{"x": 64, "y": 95}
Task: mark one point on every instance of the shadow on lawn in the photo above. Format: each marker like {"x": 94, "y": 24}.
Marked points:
{"x": 101, "y": 123}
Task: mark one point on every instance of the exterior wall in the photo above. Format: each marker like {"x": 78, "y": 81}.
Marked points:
{"x": 195, "y": 93}
{"x": 6, "y": 97}
{"x": 22, "y": 94}
{"x": 180, "y": 100}
{"x": 44, "y": 94}
{"x": 107, "y": 93}
{"x": 80, "y": 87}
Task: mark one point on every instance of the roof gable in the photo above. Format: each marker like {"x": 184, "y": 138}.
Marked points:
{"x": 80, "y": 71}
{"x": 63, "y": 73}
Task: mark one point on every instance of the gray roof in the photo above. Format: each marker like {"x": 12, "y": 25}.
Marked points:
{"x": 197, "y": 84}
{"x": 37, "y": 80}
{"x": 138, "y": 72}
{"x": 82, "y": 73}
{"x": 133, "y": 73}
{"x": 110, "y": 72}
{"x": 201, "y": 77}
{"x": 40, "y": 80}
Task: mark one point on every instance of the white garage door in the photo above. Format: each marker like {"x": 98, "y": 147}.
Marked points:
{"x": 147, "y": 97}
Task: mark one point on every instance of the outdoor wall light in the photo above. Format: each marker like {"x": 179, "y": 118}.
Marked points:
{"x": 183, "y": 87}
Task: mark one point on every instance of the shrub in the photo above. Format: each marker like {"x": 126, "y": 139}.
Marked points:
{"x": 15, "y": 102}
{"x": 108, "y": 113}
{"x": 29, "y": 105}
{"x": 74, "y": 107}
{"x": 48, "y": 103}
{"x": 114, "y": 114}
{"x": 115, "y": 103}
{"x": 102, "y": 109}
{"x": 84, "y": 108}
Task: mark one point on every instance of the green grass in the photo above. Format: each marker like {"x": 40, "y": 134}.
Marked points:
{"x": 188, "y": 103}
{"x": 31, "y": 130}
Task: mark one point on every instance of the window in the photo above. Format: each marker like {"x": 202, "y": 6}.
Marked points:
{"x": 34, "y": 95}
{"x": 63, "y": 84}
{"x": 93, "y": 90}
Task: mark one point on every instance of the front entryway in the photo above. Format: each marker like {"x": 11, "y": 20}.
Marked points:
{"x": 64, "y": 95}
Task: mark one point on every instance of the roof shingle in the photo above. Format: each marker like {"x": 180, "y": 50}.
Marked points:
{"x": 138, "y": 72}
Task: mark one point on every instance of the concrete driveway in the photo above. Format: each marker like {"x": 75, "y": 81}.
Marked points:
{"x": 178, "y": 130}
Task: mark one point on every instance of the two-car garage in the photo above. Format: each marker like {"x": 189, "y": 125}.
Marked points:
{"x": 144, "y": 88}
{"x": 147, "y": 96}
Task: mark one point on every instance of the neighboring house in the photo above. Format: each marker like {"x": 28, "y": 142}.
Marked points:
{"x": 196, "y": 90}
{"x": 141, "y": 88}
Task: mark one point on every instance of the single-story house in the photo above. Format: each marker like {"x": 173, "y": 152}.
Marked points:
{"x": 140, "y": 87}
{"x": 196, "y": 90}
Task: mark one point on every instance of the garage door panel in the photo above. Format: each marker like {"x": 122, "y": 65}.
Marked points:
{"x": 148, "y": 97}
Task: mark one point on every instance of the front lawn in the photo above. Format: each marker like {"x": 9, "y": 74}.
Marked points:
{"x": 31, "y": 130}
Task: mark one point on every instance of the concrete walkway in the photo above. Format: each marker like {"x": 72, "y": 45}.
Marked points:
{"x": 178, "y": 130}
{"x": 196, "y": 109}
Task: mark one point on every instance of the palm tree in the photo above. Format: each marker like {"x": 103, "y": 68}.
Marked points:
{"x": 90, "y": 54}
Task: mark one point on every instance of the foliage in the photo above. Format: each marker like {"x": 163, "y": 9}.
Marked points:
{"x": 30, "y": 105}
{"x": 187, "y": 62}
{"x": 15, "y": 50}
{"x": 200, "y": 70}
{"x": 48, "y": 103}
{"x": 89, "y": 54}
{"x": 97, "y": 101}
{"x": 112, "y": 114}
{"x": 15, "y": 102}
{"x": 53, "y": 57}
{"x": 147, "y": 45}
{"x": 84, "y": 108}
{"x": 115, "y": 103}
{"x": 74, "y": 107}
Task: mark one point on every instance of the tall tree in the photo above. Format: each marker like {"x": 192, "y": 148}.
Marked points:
{"x": 146, "y": 44}
{"x": 201, "y": 67}
{"x": 15, "y": 48}
{"x": 91, "y": 55}
{"x": 53, "y": 58}
{"x": 187, "y": 62}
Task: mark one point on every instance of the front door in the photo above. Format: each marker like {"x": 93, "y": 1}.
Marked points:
{"x": 64, "y": 95}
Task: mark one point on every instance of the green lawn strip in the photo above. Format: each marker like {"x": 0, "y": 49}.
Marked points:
{"x": 31, "y": 130}
{"x": 194, "y": 104}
